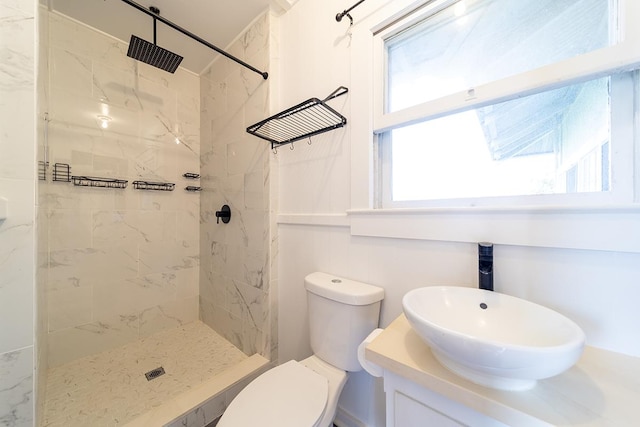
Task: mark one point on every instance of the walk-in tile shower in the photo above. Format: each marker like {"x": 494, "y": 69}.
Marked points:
{"x": 125, "y": 267}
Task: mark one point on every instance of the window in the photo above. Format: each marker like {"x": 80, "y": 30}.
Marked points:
{"x": 501, "y": 99}
{"x": 548, "y": 143}
{"x": 471, "y": 43}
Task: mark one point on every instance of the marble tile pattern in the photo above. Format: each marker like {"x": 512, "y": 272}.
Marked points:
{"x": 42, "y": 222}
{"x": 16, "y": 388}
{"x": 110, "y": 389}
{"x": 236, "y": 298}
{"x": 122, "y": 263}
{"x": 17, "y": 230}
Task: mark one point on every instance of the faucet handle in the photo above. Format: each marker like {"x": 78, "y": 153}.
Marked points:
{"x": 485, "y": 265}
{"x": 224, "y": 213}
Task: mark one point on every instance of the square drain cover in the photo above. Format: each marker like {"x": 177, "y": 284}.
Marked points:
{"x": 155, "y": 373}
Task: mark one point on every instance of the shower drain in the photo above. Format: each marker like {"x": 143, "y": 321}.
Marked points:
{"x": 154, "y": 373}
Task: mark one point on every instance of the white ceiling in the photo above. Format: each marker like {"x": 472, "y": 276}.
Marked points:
{"x": 216, "y": 21}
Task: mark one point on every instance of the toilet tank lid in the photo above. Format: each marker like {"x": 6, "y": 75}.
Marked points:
{"x": 343, "y": 290}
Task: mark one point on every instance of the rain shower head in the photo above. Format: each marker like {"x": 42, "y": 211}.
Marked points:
{"x": 151, "y": 53}
{"x": 154, "y": 55}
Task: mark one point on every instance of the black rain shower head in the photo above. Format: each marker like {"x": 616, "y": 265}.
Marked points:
{"x": 154, "y": 55}
{"x": 151, "y": 53}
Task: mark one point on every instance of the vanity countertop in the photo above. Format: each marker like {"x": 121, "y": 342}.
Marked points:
{"x": 602, "y": 389}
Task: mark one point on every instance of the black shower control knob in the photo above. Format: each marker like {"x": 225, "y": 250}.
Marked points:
{"x": 224, "y": 213}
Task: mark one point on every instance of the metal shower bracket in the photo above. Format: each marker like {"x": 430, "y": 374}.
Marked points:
{"x": 187, "y": 33}
{"x": 156, "y": 12}
{"x": 345, "y": 12}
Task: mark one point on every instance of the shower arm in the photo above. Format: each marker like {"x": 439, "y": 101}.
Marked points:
{"x": 155, "y": 11}
{"x": 187, "y": 33}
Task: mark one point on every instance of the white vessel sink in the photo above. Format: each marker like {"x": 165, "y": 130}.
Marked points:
{"x": 493, "y": 339}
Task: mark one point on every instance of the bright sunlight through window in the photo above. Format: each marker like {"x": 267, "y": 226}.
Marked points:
{"x": 553, "y": 142}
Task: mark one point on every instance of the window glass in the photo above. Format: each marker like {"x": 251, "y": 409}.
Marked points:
{"x": 548, "y": 143}
{"x": 475, "y": 42}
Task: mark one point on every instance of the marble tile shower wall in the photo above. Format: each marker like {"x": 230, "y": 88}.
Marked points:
{"x": 17, "y": 231}
{"x": 123, "y": 263}
{"x": 235, "y": 275}
{"x": 42, "y": 223}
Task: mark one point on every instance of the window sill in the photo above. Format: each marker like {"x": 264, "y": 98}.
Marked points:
{"x": 612, "y": 228}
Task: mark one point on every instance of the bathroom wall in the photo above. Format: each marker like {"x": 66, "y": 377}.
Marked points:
{"x": 123, "y": 263}
{"x": 596, "y": 288}
{"x": 237, "y": 279}
{"x": 17, "y": 231}
{"x": 42, "y": 223}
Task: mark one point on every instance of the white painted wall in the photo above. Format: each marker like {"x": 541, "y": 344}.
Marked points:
{"x": 598, "y": 289}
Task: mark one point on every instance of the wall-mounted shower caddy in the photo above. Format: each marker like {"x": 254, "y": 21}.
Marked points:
{"x": 192, "y": 188}
{"x": 62, "y": 172}
{"x": 42, "y": 170}
{"x": 309, "y": 118}
{"x": 157, "y": 186}
{"x": 93, "y": 181}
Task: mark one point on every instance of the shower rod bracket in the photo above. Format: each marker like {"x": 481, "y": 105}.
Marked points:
{"x": 154, "y": 12}
{"x": 155, "y": 22}
{"x": 345, "y": 12}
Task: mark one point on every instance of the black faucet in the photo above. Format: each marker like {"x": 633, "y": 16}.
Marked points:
{"x": 485, "y": 266}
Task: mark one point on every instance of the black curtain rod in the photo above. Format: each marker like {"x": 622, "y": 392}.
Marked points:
{"x": 187, "y": 33}
{"x": 344, "y": 13}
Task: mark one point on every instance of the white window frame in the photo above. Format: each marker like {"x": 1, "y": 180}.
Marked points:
{"x": 588, "y": 225}
{"x": 611, "y": 60}
{"x": 621, "y": 161}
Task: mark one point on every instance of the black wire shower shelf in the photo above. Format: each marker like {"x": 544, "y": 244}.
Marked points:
{"x": 304, "y": 120}
{"x": 92, "y": 181}
{"x": 160, "y": 186}
{"x": 42, "y": 170}
{"x": 62, "y": 172}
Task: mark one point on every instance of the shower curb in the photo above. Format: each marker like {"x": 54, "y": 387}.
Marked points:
{"x": 211, "y": 397}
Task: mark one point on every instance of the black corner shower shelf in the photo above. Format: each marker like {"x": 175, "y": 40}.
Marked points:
{"x": 62, "y": 172}
{"x": 158, "y": 186}
{"x": 42, "y": 170}
{"x": 304, "y": 120}
{"x": 92, "y": 181}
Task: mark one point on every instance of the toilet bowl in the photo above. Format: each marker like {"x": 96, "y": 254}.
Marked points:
{"x": 342, "y": 313}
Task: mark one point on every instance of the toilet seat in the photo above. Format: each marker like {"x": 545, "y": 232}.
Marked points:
{"x": 289, "y": 395}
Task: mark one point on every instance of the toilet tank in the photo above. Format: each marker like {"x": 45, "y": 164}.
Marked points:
{"x": 342, "y": 313}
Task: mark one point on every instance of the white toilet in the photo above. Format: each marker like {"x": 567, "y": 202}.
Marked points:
{"x": 342, "y": 313}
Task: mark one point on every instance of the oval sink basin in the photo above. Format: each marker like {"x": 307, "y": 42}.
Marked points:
{"x": 493, "y": 339}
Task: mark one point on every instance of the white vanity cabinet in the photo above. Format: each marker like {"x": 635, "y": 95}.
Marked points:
{"x": 601, "y": 390}
{"x": 410, "y": 405}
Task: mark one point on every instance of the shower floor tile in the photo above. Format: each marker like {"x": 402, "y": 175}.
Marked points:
{"x": 110, "y": 388}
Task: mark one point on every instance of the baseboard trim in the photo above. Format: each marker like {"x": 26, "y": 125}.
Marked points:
{"x": 346, "y": 419}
